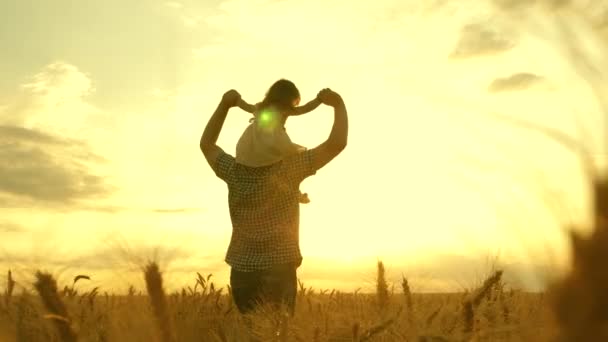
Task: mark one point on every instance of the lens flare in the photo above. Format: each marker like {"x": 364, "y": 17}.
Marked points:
{"x": 267, "y": 119}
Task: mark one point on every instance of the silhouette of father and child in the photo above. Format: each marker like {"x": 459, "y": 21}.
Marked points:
{"x": 263, "y": 190}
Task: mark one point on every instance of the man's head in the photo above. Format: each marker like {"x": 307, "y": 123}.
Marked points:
{"x": 283, "y": 94}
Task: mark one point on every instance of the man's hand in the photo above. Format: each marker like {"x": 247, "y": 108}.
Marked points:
{"x": 209, "y": 138}
{"x": 329, "y": 97}
{"x": 231, "y": 98}
{"x": 338, "y": 137}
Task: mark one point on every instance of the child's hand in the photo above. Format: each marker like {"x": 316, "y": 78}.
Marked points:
{"x": 329, "y": 97}
{"x": 310, "y": 106}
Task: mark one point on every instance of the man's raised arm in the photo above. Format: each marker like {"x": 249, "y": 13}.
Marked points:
{"x": 338, "y": 137}
{"x": 214, "y": 126}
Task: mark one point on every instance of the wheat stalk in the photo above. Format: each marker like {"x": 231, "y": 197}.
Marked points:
{"x": 47, "y": 289}
{"x": 469, "y": 306}
{"x": 381, "y": 287}
{"x": 154, "y": 285}
{"x": 10, "y": 286}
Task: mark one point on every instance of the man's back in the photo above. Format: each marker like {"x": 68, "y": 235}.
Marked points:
{"x": 264, "y": 209}
{"x": 264, "y": 251}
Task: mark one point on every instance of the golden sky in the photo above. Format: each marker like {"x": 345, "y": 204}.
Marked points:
{"x": 102, "y": 105}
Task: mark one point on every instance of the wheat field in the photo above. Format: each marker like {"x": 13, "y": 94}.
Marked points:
{"x": 572, "y": 309}
{"x": 205, "y": 313}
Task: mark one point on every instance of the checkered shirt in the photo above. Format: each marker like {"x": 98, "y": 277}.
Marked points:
{"x": 265, "y": 210}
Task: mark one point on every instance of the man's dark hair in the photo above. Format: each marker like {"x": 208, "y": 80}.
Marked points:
{"x": 281, "y": 95}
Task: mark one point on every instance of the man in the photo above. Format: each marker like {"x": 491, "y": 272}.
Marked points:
{"x": 264, "y": 251}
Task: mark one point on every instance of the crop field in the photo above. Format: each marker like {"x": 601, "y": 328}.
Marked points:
{"x": 205, "y": 313}
{"x": 572, "y": 309}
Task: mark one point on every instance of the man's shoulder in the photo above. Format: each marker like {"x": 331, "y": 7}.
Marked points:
{"x": 300, "y": 164}
{"x": 223, "y": 165}
{"x": 296, "y": 157}
{"x": 225, "y": 158}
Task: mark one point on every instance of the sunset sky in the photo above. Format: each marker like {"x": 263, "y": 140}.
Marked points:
{"x": 102, "y": 104}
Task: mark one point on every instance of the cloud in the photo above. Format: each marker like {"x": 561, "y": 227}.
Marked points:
{"x": 60, "y": 80}
{"x": 175, "y": 210}
{"x": 112, "y": 209}
{"x": 482, "y": 39}
{"x": 53, "y": 101}
{"x": 517, "y": 81}
{"x": 11, "y": 227}
{"x": 44, "y": 159}
{"x": 511, "y": 4}
{"x": 46, "y": 168}
{"x": 523, "y": 4}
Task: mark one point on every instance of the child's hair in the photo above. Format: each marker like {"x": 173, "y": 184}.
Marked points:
{"x": 282, "y": 94}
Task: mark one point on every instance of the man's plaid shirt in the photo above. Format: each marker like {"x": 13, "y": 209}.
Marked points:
{"x": 265, "y": 210}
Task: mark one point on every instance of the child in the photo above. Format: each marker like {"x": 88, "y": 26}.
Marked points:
{"x": 265, "y": 140}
